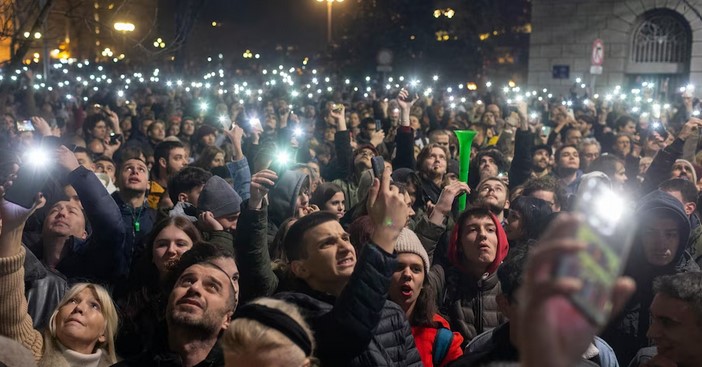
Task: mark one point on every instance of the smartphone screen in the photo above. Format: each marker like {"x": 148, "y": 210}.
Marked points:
{"x": 378, "y": 165}
{"x": 608, "y": 235}
{"x": 25, "y": 125}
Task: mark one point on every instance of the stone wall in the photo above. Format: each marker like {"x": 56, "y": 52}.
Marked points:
{"x": 563, "y": 32}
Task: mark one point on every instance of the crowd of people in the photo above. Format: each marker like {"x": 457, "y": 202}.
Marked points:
{"x": 183, "y": 224}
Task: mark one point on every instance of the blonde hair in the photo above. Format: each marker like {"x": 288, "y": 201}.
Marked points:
{"x": 244, "y": 336}
{"x": 108, "y": 310}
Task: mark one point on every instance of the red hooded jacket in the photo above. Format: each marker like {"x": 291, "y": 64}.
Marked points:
{"x": 456, "y": 258}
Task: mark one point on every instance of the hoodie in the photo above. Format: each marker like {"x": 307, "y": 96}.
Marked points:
{"x": 627, "y": 333}
{"x": 470, "y": 304}
{"x": 282, "y": 200}
{"x": 456, "y": 258}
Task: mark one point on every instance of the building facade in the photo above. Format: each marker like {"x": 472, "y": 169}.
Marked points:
{"x": 657, "y": 41}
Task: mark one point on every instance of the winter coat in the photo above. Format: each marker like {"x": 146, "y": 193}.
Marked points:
{"x": 469, "y": 304}
{"x": 100, "y": 258}
{"x": 162, "y": 357}
{"x": 16, "y": 323}
{"x": 145, "y": 216}
{"x": 44, "y": 289}
{"x": 627, "y": 333}
{"x": 360, "y": 327}
{"x": 282, "y": 199}
{"x": 425, "y": 337}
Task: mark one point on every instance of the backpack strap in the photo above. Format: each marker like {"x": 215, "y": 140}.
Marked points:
{"x": 442, "y": 342}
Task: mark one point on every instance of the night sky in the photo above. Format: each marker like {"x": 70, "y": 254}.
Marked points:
{"x": 260, "y": 24}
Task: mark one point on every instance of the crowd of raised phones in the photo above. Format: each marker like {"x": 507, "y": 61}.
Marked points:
{"x": 183, "y": 225}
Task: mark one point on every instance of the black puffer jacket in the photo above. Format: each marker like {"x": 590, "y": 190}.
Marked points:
{"x": 627, "y": 333}
{"x": 360, "y": 327}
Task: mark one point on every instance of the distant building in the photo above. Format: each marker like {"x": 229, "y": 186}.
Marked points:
{"x": 657, "y": 41}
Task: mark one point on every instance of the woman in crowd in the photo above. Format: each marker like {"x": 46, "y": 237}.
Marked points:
{"x": 81, "y": 329}
{"x": 410, "y": 288}
{"x": 526, "y": 219}
{"x": 209, "y": 158}
{"x": 329, "y": 197}
{"x": 613, "y": 167}
{"x": 268, "y": 332}
{"x": 142, "y": 300}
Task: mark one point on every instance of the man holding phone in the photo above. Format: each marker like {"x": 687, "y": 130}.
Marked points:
{"x": 659, "y": 248}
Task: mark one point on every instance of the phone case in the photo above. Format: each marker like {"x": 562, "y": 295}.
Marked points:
{"x": 608, "y": 233}
{"x": 30, "y": 180}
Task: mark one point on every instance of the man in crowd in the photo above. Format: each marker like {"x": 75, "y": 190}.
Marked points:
{"x": 676, "y": 323}
{"x": 490, "y": 163}
{"x": 659, "y": 248}
{"x": 169, "y": 158}
{"x": 546, "y": 188}
{"x": 686, "y": 192}
{"x": 567, "y": 169}
{"x": 138, "y": 218}
{"x": 432, "y": 164}
{"x": 344, "y": 295}
{"x": 493, "y": 194}
{"x": 200, "y": 305}
{"x": 589, "y": 151}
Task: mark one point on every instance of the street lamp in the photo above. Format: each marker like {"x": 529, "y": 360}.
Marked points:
{"x": 329, "y": 18}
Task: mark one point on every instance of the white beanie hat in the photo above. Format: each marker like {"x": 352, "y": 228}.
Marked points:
{"x": 408, "y": 242}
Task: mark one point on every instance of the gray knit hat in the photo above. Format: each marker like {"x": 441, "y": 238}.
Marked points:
{"x": 219, "y": 197}
{"x": 408, "y": 242}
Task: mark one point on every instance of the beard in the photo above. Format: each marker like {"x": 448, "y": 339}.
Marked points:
{"x": 493, "y": 207}
{"x": 199, "y": 326}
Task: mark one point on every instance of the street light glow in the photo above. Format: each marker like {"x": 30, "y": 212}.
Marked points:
{"x": 124, "y": 27}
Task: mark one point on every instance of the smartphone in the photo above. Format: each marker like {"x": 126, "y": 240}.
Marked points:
{"x": 378, "y": 125}
{"x": 608, "y": 234}
{"x": 30, "y": 180}
{"x": 546, "y": 130}
{"x": 115, "y": 139}
{"x": 24, "y": 125}
{"x": 378, "y": 164}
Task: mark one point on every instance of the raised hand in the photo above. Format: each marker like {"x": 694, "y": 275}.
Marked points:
{"x": 207, "y": 222}
{"x": 66, "y": 158}
{"x": 41, "y": 126}
{"x": 552, "y": 331}
{"x": 261, "y": 182}
{"x": 388, "y": 210}
{"x": 442, "y": 208}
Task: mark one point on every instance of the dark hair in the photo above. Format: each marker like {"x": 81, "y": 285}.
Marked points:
{"x": 687, "y": 189}
{"x": 607, "y": 164}
{"x": 622, "y": 121}
{"x": 276, "y": 250}
{"x": 145, "y": 272}
{"x": 546, "y": 183}
{"x": 510, "y": 273}
{"x": 535, "y": 213}
{"x": 426, "y": 151}
{"x": 425, "y": 307}
{"x": 187, "y": 179}
{"x": 90, "y": 123}
{"x": 474, "y": 212}
{"x": 686, "y": 287}
{"x": 207, "y": 154}
{"x": 324, "y": 193}
{"x": 557, "y": 155}
{"x": 203, "y": 253}
{"x": 496, "y": 155}
{"x": 104, "y": 158}
{"x": 163, "y": 150}
{"x": 293, "y": 244}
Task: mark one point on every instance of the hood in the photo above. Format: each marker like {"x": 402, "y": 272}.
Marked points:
{"x": 455, "y": 256}
{"x": 283, "y": 196}
{"x": 652, "y": 205}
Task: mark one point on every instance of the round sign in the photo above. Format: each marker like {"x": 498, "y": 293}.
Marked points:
{"x": 597, "y": 52}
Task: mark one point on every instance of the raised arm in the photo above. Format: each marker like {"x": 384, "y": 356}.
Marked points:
{"x": 251, "y": 242}
{"x": 104, "y": 256}
{"x": 15, "y": 321}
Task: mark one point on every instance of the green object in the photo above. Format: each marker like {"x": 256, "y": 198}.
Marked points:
{"x": 465, "y": 140}
{"x": 137, "y": 226}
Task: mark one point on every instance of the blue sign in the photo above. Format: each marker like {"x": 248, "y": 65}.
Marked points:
{"x": 561, "y": 72}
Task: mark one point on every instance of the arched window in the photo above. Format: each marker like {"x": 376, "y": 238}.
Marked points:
{"x": 662, "y": 36}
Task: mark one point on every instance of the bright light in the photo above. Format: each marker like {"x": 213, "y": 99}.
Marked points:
{"x": 124, "y": 27}
{"x": 37, "y": 35}
{"x": 203, "y": 106}
{"x": 297, "y": 132}
{"x": 435, "y": 77}
{"x": 282, "y": 158}
{"x": 488, "y": 84}
{"x": 37, "y": 156}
